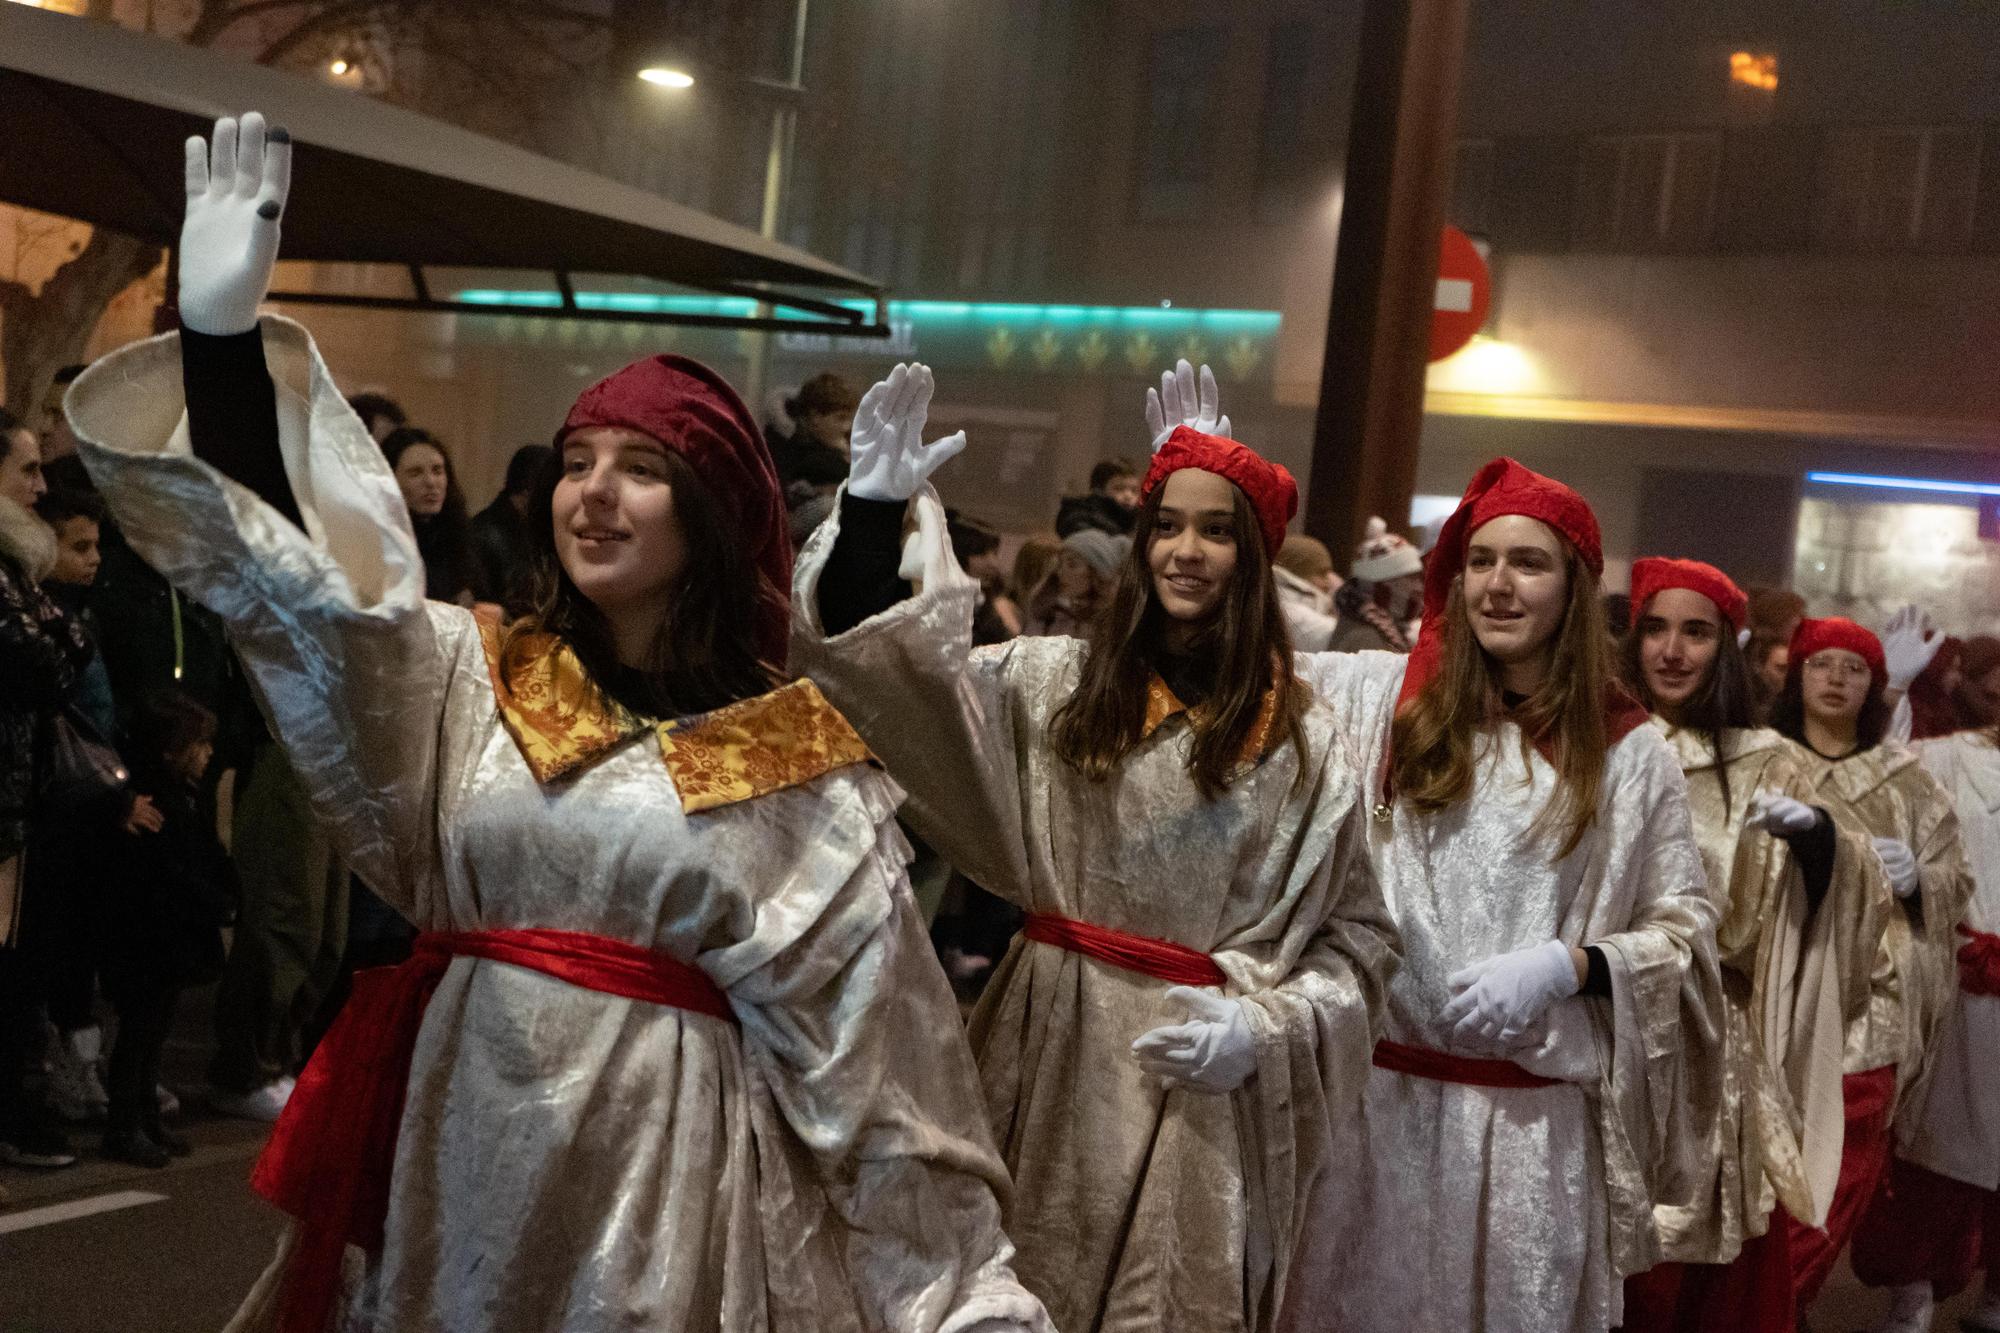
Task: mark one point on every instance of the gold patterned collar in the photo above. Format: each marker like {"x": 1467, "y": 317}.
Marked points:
{"x": 1162, "y": 703}
{"x": 562, "y": 724}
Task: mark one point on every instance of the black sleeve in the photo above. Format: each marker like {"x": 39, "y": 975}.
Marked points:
{"x": 860, "y": 578}
{"x": 232, "y": 411}
{"x": 1813, "y": 850}
{"x": 1597, "y": 977}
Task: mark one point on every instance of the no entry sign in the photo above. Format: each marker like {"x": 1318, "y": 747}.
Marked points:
{"x": 1464, "y": 291}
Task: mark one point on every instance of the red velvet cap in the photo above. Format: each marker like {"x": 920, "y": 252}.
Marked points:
{"x": 1269, "y": 487}
{"x": 692, "y": 411}
{"x": 1500, "y": 488}
{"x": 1657, "y": 574}
{"x": 1814, "y": 636}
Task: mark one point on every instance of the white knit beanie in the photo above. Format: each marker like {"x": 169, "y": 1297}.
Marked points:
{"x": 1385, "y": 555}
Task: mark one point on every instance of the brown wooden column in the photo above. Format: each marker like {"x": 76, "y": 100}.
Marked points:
{"x": 1399, "y": 157}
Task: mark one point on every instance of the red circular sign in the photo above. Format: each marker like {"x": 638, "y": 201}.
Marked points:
{"x": 1464, "y": 291}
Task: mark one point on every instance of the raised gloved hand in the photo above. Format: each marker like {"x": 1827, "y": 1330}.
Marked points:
{"x": 1497, "y": 1001}
{"x": 236, "y": 188}
{"x": 1177, "y": 402}
{"x": 1899, "y": 863}
{"x": 1908, "y": 644}
{"x": 1211, "y": 1051}
{"x": 887, "y": 458}
{"x": 1780, "y": 816}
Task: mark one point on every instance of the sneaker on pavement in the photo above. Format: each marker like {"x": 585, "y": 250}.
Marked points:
{"x": 37, "y": 1146}
{"x": 132, "y": 1147}
{"x": 1986, "y": 1314}
{"x": 265, "y": 1103}
{"x": 75, "y": 1091}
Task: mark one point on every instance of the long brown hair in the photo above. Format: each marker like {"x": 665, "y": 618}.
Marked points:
{"x": 1432, "y": 739}
{"x": 1723, "y": 702}
{"x": 705, "y": 654}
{"x": 1244, "y": 645}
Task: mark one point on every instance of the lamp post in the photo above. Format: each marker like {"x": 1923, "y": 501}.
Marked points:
{"x": 777, "y": 170}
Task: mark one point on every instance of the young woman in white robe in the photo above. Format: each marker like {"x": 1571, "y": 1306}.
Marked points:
{"x": 1832, "y": 705}
{"x": 1938, "y": 1221}
{"x": 1185, "y": 1023}
{"x": 673, "y": 1051}
{"x": 1532, "y": 836}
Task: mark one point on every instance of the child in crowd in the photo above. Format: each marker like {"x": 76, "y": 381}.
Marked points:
{"x": 173, "y": 890}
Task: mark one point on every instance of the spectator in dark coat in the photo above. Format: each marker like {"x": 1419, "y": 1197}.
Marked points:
{"x": 815, "y": 456}
{"x": 1111, "y": 506}
{"x": 500, "y": 545}
{"x": 42, "y": 655}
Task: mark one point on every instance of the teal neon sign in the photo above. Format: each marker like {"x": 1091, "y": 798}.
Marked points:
{"x": 1063, "y": 339}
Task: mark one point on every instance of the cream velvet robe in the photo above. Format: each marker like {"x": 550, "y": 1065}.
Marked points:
{"x": 569, "y": 1159}
{"x": 1893, "y": 1008}
{"x": 1135, "y": 1207}
{"x": 1955, "y": 1130}
{"x": 1778, "y": 1137}
{"x": 1523, "y": 1209}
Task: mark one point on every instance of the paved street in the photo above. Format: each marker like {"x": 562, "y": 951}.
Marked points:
{"x": 173, "y": 1251}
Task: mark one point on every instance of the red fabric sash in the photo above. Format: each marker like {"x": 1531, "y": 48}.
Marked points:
{"x": 1978, "y": 962}
{"x": 1135, "y": 953}
{"x": 1422, "y": 1062}
{"x": 331, "y": 1153}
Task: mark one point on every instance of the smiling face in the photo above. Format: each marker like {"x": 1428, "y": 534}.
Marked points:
{"x": 1516, "y": 588}
{"x": 1192, "y": 552}
{"x": 1680, "y": 633}
{"x": 1835, "y": 684}
{"x": 616, "y": 533}
{"x": 423, "y": 479}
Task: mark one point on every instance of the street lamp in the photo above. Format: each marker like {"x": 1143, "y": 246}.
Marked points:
{"x": 777, "y": 163}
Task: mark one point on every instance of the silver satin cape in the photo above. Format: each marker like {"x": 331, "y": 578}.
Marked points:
{"x": 1521, "y": 1210}
{"x": 568, "y": 1159}
{"x": 1136, "y": 1207}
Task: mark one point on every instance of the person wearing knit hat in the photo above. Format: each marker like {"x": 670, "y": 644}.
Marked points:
{"x": 1832, "y": 706}
{"x": 1078, "y": 589}
{"x": 1774, "y": 864}
{"x": 1383, "y": 598}
{"x": 672, "y": 1050}
{"x": 1205, "y": 947}
{"x": 1532, "y": 832}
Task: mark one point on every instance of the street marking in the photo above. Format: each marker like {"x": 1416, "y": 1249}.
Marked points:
{"x": 75, "y": 1208}
{"x": 1455, "y": 295}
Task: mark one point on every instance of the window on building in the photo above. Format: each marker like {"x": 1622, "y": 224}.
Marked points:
{"x": 1286, "y": 163}
{"x": 1472, "y": 187}
{"x": 1886, "y": 188}
{"x": 1752, "y": 90}
{"x": 1176, "y": 134}
{"x": 1647, "y": 191}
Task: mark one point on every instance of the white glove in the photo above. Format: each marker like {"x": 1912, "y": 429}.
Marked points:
{"x": 236, "y": 190}
{"x": 887, "y": 457}
{"x": 1177, "y": 403}
{"x": 1899, "y": 863}
{"x": 1780, "y": 815}
{"x": 1908, "y": 645}
{"x": 1497, "y": 1002}
{"x": 1211, "y": 1051}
